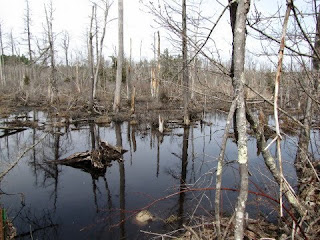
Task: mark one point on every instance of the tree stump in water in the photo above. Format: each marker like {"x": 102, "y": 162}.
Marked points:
{"x": 97, "y": 159}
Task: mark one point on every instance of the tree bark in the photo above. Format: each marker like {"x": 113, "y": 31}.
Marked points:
{"x": 275, "y": 104}
{"x": 239, "y": 40}
{"x": 117, "y": 94}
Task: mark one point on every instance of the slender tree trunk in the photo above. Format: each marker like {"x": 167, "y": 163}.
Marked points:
{"x": 158, "y": 71}
{"x": 2, "y": 75}
{"x": 91, "y": 63}
{"x": 185, "y": 76}
{"x": 239, "y": 40}
{"x": 276, "y": 93}
{"x": 28, "y": 22}
{"x": 53, "y": 90}
{"x": 128, "y": 78}
{"x": 117, "y": 94}
{"x": 220, "y": 168}
{"x": 99, "y": 51}
{"x": 12, "y": 43}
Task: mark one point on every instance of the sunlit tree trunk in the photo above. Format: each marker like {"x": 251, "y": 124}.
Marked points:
{"x": 117, "y": 94}
{"x": 238, "y": 18}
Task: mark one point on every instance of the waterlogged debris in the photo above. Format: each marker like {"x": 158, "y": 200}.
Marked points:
{"x": 94, "y": 160}
{"x": 144, "y": 217}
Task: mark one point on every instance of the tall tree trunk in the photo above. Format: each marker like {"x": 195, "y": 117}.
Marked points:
{"x": 91, "y": 61}
{"x": 158, "y": 70}
{"x": 128, "y": 77}
{"x": 99, "y": 51}
{"x": 28, "y": 22}
{"x": 53, "y": 90}
{"x": 238, "y": 23}
{"x": 276, "y": 93}
{"x": 117, "y": 94}
{"x": 2, "y": 76}
{"x": 12, "y": 43}
{"x": 185, "y": 75}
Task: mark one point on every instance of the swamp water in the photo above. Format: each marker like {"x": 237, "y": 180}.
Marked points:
{"x": 48, "y": 201}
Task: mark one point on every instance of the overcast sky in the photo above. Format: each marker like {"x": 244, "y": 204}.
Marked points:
{"x": 73, "y": 16}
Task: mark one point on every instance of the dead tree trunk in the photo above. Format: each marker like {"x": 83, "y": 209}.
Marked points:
{"x": 185, "y": 75}
{"x": 238, "y": 18}
{"x": 117, "y": 94}
{"x": 28, "y": 23}
{"x": 53, "y": 90}
{"x": 65, "y": 46}
{"x": 91, "y": 63}
{"x": 99, "y": 51}
{"x": 128, "y": 77}
{"x": 158, "y": 70}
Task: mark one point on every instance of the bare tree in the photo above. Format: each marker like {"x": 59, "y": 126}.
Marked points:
{"x": 53, "y": 90}
{"x": 185, "y": 77}
{"x": 91, "y": 60}
{"x": 28, "y": 31}
{"x": 106, "y": 8}
{"x": 117, "y": 94}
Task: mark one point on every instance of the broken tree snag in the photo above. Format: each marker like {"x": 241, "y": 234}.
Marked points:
{"x": 161, "y": 124}
{"x": 154, "y": 84}
{"x": 133, "y": 100}
{"x": 96, "y": 159}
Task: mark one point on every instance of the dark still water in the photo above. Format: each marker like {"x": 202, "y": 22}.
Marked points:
{"x": 49, "y": 201}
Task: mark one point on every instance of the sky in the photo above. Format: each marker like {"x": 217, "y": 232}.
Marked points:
{"x": 74, "y": 16}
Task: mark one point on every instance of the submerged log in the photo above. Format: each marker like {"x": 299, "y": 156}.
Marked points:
{"x": 97, "y": 159}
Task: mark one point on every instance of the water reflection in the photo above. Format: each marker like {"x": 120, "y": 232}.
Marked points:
{"x": 99, "y": 203}
{"x": 183, "y": 177}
